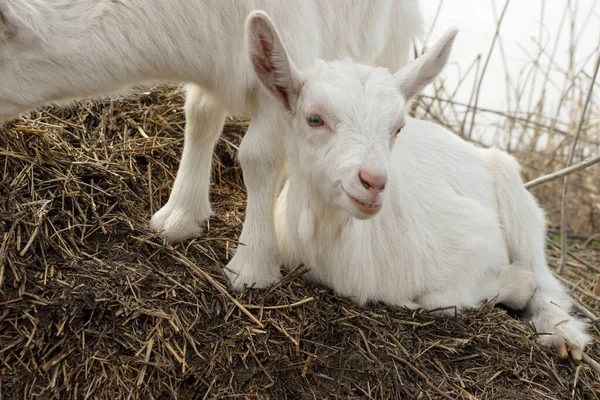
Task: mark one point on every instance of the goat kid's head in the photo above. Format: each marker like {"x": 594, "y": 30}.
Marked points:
{"x": 345, "y": 116}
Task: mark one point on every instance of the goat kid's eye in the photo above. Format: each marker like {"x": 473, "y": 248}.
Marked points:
{"x": 315, "y": 121}
{"x": 398, "y": 132}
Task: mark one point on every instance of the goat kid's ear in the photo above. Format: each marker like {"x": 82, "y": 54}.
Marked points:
{"x": 417, "y": 74}
{"x": 270, "y": 59}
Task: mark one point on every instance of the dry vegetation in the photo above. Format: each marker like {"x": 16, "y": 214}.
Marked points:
{"x": 94, "y": 305}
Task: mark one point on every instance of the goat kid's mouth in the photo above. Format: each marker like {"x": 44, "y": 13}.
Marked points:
{"x": 366, "y": 208}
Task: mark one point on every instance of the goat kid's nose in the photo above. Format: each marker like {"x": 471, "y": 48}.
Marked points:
{"x": 372, "y": 182}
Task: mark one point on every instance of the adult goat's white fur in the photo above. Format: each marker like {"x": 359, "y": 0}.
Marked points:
{"x": 387, "y": 208}
{"x": 61, "y": 50}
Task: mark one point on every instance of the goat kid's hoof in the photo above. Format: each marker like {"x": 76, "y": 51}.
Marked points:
{"x": 177, "y": 224}
{"x": 257, "y": 275}
{"x": 574, "y": 353}
{"x": 568, "y": 337}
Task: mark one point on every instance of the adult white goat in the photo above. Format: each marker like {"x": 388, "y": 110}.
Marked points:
{"x": 60, "y": 50}
{"x": 456, "y": 227}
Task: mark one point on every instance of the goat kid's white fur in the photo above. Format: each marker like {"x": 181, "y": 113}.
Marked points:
{"x": 456, "y": 225}
{"x": 59, "y": 50}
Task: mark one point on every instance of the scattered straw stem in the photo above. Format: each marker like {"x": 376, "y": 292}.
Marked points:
{"x": 487, "y": 60}
{"x": 422, "y": 376}
{"x": 177, "y": 256}
{"x": 281, "y": 306}
{"x": 593, "y": 364}
{"x": 563, "y": 210}
{"x": 563, "y": 172}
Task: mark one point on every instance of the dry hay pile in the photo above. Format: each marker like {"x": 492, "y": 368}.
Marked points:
{"x": 94, "y": 305}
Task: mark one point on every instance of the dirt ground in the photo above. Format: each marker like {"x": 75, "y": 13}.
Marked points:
{"x": 93, "y": 305}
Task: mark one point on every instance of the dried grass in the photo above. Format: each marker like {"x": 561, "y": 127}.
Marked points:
{"x": 94, "y": 305}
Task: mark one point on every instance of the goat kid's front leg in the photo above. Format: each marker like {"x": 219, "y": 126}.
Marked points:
{"x": 189, "y": 205}
{"x": 262, "y": 157}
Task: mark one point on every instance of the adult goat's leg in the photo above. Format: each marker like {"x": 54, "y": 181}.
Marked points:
{"x": 189, "y": 203}
{"x": 262, "y": 157}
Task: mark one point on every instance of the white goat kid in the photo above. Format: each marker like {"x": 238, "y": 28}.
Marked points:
{"x": 456, "y": 227}
{"x": 61, "y": 50}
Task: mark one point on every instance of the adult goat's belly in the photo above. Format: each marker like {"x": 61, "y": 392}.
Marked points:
{"x": 364, "y": 44}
